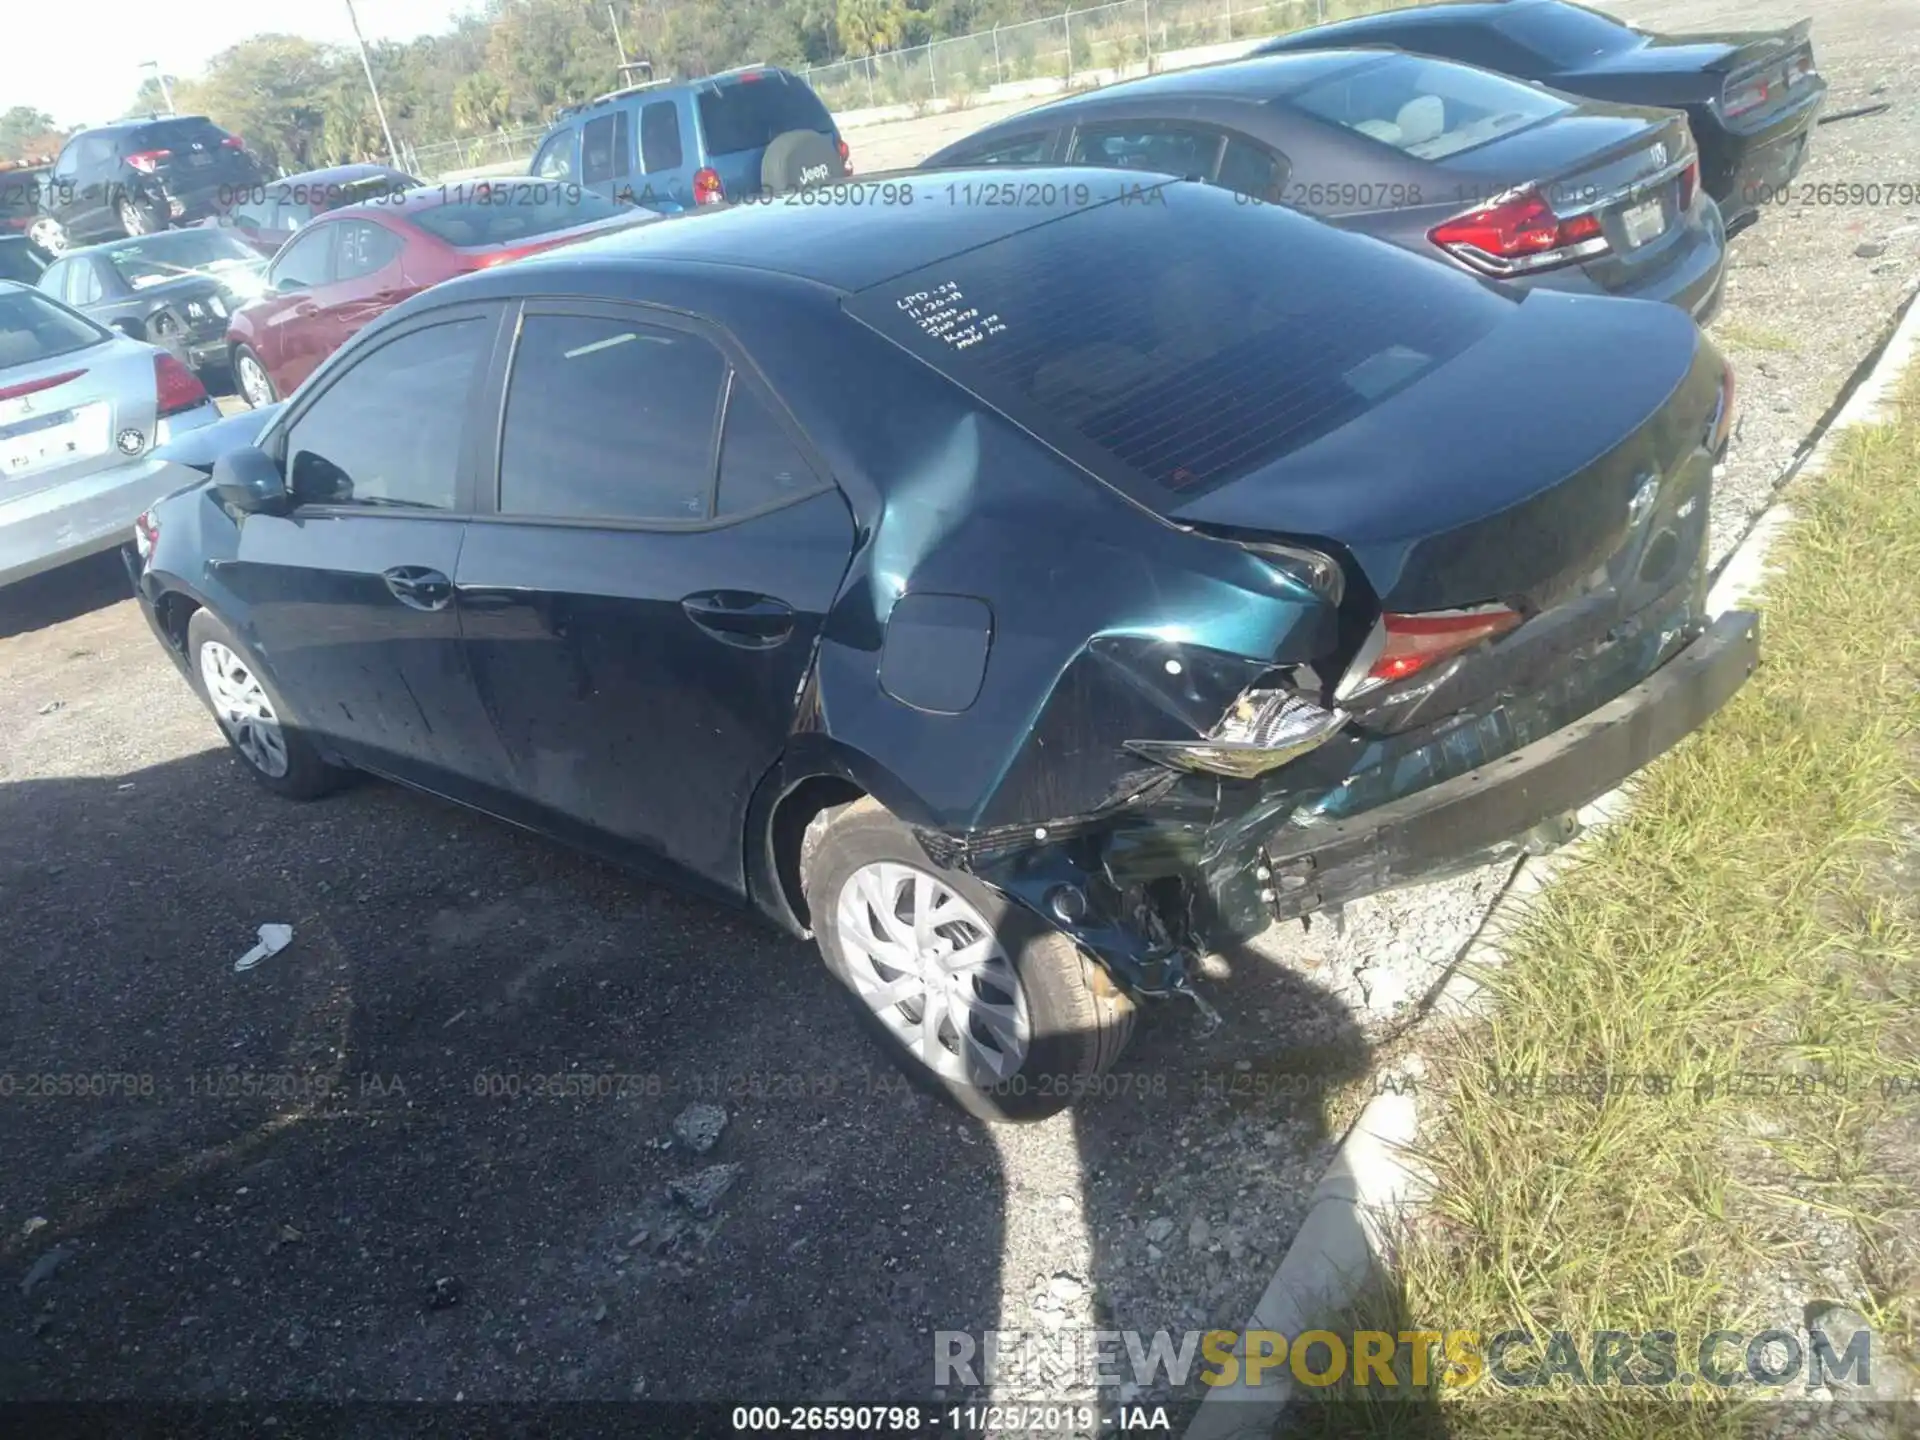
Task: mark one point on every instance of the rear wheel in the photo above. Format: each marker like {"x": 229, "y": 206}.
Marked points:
{"x": 251, "y": 716}
{"x": 252, "y": 378}
{"x": 974, "y": 996}
{"x": 133, "y": 220}
{"x": 49, "y": 234}
{"x": 796, "y": 159}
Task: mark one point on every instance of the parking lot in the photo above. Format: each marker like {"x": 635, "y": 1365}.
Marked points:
{"x": 426, "y": 1151}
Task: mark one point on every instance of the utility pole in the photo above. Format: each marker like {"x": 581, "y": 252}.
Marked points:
{"x": 165, "y": 90}
{"x": 618, "y": 44}
{"x": 393, "y": 151}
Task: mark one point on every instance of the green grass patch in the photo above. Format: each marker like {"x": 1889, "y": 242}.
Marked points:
{"x": 1748, "y": 918}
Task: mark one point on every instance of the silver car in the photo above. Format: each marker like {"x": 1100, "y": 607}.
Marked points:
{"x": 82, "y": 409}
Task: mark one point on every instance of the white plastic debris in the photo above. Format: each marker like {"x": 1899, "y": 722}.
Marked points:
{"x": 273, "y": 939}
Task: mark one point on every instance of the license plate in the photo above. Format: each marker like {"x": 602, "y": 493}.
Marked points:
{"x": 1645, "y": 221}
{"x": 80, "y": 433}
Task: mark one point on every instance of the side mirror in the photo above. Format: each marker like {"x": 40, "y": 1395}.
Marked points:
{"x": 287, "y": 285}
{"x": 250, "y": 481}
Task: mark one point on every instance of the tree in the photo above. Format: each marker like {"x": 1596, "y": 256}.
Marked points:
{"x": 24, "y": 131}
{"x": 481, "y": 102}
{"x": 867, "y": 27}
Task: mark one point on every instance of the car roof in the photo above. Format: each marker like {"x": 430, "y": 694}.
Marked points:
{"x": 654, "y": 89}
{"x": 851, "y": 246}
{"x": 337, "y": 175}
{"x": 1254, "y": 78}
{"x": 1432, "y": 13}
{"x": 140, "y": 123}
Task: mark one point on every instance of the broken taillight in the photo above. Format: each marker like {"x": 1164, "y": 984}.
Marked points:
{"x": 1743, "y": 96}
{"x": 1517, "y": 234}
{"x": 1261, "y": 731}
{"x": 146, "y": 533}
{"x": 1414, "y": 642}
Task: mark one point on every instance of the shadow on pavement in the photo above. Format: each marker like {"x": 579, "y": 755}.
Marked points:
{"x": 63, "y": 593}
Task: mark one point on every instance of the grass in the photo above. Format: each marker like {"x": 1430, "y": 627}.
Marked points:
{"x": 1745, "y": 918}
{"x": 1753, "y": 337}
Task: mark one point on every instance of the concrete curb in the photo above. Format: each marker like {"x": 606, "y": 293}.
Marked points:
{"x": 1373, "y": 1184}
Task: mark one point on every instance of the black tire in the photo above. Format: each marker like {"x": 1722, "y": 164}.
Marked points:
{"x": 307, "y": 776}
{"x": 1079, "y": 1019}
{"x": 796, "y": 159}
{"x": 242, "y": 355}
{"x": 133, "y": 218}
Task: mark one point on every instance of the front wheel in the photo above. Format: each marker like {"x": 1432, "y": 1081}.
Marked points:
{"x": 972, "y": 994}
{"x": 256, "y": 385}
{"x": 251, "y": 716}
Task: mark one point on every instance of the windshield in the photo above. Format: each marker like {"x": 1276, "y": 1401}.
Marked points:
{"x": 1169, "y": 345}
{"x": 1565, "y": 35}
{"x": 1429, "y": 109}
{"x": 34, "y": 328}
{"x": 505, "y": 214}
{"x": 748, "y": 113}
{"x": 156, "y": 259}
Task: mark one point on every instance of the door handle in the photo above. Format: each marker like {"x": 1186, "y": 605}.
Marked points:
{"x": 419, "y": 587}
{"x": 740, "y": 617}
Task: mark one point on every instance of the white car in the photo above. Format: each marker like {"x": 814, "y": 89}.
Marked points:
{"x": 82, "y": 410}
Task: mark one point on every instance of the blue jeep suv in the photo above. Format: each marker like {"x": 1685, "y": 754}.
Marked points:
{"x": 673, "y": 144}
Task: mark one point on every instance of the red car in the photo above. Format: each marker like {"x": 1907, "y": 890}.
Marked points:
{"x": 355, "y": 263}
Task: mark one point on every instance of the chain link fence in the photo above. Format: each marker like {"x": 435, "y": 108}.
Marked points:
{"x": 444, "y": 157}
{"x": 1093, "y": 46}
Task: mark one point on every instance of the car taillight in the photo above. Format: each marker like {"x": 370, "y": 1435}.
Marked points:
{"x": 1689, "y": 183}
{"x": 233, "y": 142}
{"x": 1519, "y": 233}
{"x": 1403, "y": 645}
{"x": 1720, "y": 427}
{"x": 846, "y": 157}
{"x": 146, "y": 534}
{"x": 1799, "y": 68}
{"x": 706, "y": 186}
{"x": 1261, "y": 731}
{"x": 145, "y": 160}
{"x": 176, "y": 388}
{"x": 1747, "y": 95}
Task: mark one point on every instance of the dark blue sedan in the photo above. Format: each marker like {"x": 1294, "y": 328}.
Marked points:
{"x": 1020, "y": 599}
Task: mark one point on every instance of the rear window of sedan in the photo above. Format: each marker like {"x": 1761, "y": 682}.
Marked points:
{"x": 507, "y": 214}
{"x": 1175, "y": 340}
{"x": 33, "y": 328}
{"x": 156, "y": 259}
{"x": 1565, "y": 35}
{"x": 1429, "y": 109}
{"x": 748, "y": 113}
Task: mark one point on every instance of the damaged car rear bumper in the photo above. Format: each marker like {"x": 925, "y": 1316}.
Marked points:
{"x": 1146, "y": 895}
{"x": 1477, "y": 812}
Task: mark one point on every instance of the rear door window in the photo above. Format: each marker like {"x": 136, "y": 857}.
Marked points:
{"x": 1429, "y": 109}
{"x": 388, "y": 431}
{"x": 1565, "y": 36}
{"x": 363, "y": 249}
{"x": 1249, "y": 168}
{"x": 608, "y": 419}
{"x": 1169, "y": 343}
{"x": 760, "y": 464}
{"x": 660, "y": 147}
{"x": 1183, "y": 150}
{"x": 1031, "y": 149}
{"x": 745, "y": 114}
{"x": 603, "y": 147}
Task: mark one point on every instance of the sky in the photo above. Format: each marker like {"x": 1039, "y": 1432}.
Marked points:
{"x": 86, "y": 54}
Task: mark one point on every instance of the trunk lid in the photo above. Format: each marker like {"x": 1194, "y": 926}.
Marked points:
{"x": 1514, "y": 505}
{"x": 59, "y": 416}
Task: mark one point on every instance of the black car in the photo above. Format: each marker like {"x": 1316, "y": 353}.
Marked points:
{"x": 20, "y": 259}
{"x": 138, "y": 176}
{"x": 1455, "y": 163}
{"x": 1751, "y": 96}
{"x": 176, "y": 289}
{"x": 1021, "y": 600}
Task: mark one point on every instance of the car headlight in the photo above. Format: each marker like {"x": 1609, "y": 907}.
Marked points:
{"x": 1261, "y": 731}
